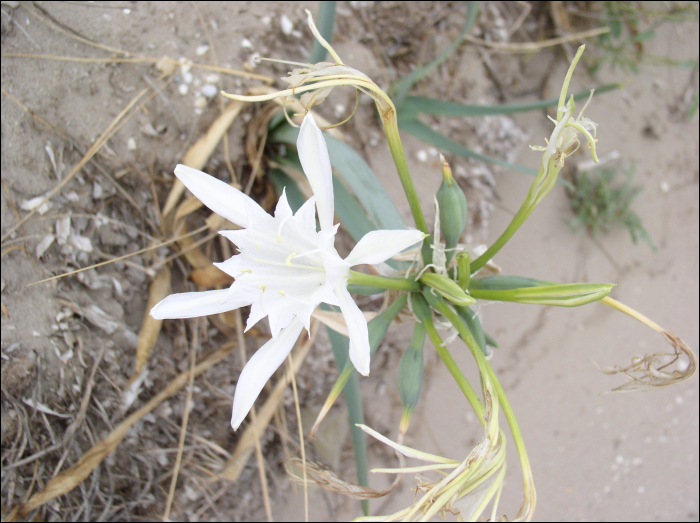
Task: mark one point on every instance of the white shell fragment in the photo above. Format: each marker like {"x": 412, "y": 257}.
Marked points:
{"x": 209, "y": 90}
{"x": 81, "y": 243}
{"x": 33, "y": 203}
{"x": 44, "y": 244}
{"x": 286, "y": 25}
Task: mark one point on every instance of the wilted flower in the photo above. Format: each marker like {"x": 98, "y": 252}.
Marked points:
{"x": 285, "y": 268}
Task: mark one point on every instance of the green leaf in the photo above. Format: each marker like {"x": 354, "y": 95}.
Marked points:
{"x": 324, "y": 24}
{"x": 413, "y": 105}
{"x": 353, "y": 400}
{"x": 403, "y": 86}
{"x": 349, "y": 383}
{"x": 427, "y": 134}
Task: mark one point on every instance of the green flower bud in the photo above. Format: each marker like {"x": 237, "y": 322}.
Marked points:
{"x": 453, "y": 209}
{"x": 447, "y": 288}
{"x": 527, "y": 290}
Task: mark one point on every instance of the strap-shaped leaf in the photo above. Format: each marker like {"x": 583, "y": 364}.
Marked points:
{"x": 427, "y": 134}
{"x": 413, "y": 105}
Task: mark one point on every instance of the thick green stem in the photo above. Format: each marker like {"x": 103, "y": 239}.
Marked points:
{"x": 452, "y": 366}
{"x": 391, "y": 129}
{"x": 382, "y": 282}
{"x": 544, "y": 181}
{"x": 484, "y": 366}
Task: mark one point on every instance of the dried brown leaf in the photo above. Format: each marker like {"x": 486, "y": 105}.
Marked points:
{"x": 210, "y": 277}
{"x": 198, "y": 155}
{"x": 150, "y": 328}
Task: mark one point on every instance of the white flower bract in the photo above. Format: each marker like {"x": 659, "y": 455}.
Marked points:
{"x": 285, "y": 268}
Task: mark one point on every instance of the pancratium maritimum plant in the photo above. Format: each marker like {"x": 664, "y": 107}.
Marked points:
{"x": 285, "y": 268}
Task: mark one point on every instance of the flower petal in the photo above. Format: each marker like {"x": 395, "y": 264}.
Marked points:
{"x": 378, "y": 246}
{"x": 357, "y": 329}
{"x": 313, "y": 155}
{"x": 259, "y": 369}
{"x": 194, "y": 304}
{"x": 220, "y": 197}
{"x": 283, "y": 210}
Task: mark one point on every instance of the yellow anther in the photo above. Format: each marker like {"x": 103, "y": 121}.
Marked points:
{"x": 289, "y": 259}
{"x": 279, "y": 238}
{"x": 247, "y": 270}
{"x": 257, "y": 245}
{"x": 282, "y": 293}
{"x": 263, "y": 287}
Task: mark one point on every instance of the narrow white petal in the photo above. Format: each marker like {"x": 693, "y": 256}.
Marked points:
{"x": 313, "y": 155}
{"x": 378, "y": 246}
{"x": 220, "y": 197}
{"x": 357, "y": 329}
{"x": 306, "y": 214}
{"x": 259, "y": 369}
{"x": 194, "y": 304}
{"x": 283, "y": 210}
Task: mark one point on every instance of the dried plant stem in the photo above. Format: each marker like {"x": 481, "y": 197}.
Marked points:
{"x": 253, "y": 416}
{"x": 290, "y": 371}
{"x": 531, "y": 47}
{"x": 185, "y": 419}
{"x": 146, "y": 249}
{"x": 74, "y": 476}
{"x": 143, "y": 59}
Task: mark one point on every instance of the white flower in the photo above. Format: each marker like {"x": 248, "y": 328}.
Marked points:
{"x": 285, "y": 268}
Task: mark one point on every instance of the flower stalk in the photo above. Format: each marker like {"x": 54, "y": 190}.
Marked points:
{"x": 314, "y": 83}
{"x": 562, "y": 143}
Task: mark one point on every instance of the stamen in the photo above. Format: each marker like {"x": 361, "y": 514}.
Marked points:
{"x": 247, "y": 270}
{"x": 279, "y": 230}
{"x": 314, "y": 251}
{"x": 284, "y": 62}
{"x": 288, "y": 261}
{"x": 282, "y": 293}
{"x": 257, "y": 245}
{"x": 263, "y": 287}
{"x": 590, "y": 97}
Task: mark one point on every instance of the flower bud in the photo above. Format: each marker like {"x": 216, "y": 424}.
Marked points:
{"x": 453, "y": 209}
{"x": 447, "y": 288}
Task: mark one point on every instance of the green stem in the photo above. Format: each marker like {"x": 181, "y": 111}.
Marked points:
{"x": 391, "y": 129}
{"x": 484, "y": 366}
{"x": 382, "y": 282}
{"x": 452, "y": 366}
{"x": 544, "y": 181}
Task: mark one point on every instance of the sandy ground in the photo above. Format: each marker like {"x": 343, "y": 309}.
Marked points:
{"x": 595, "y": 456}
